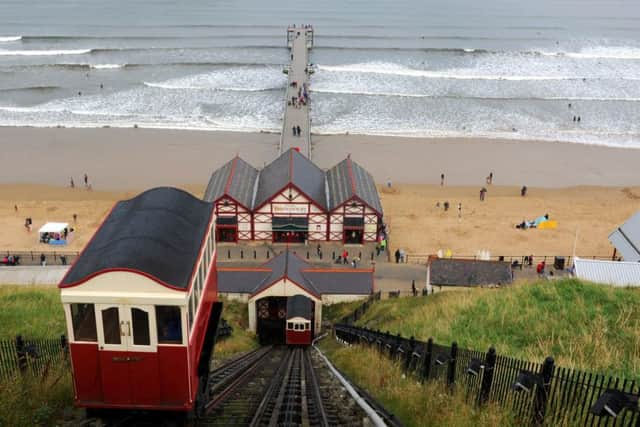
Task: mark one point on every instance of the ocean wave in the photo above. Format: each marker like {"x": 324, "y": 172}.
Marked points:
{"x": 5, "y": 39}
{"x": 610, "y": 52}
{"x": 30, "y": 88}
{"x": 177, "y": 86}
{"x": 488, "y": 98}
{"x": 399, "y": 70}
{"x": 106, "y": 66}
{"x": 52, "y": 52}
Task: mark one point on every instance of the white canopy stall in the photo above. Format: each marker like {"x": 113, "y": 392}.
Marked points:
{"x": 53, "y": 233}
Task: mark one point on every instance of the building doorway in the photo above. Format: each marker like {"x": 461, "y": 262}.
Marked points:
{"x": 353, "y": 231}
{"x": 271, "y": 313}
{"x": 290, "y": 229}
{"x": 227, "y": 229}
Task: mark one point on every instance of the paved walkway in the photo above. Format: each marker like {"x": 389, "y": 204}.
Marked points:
{"x": 32, "y": 275}
{"x": 300, "y": 41}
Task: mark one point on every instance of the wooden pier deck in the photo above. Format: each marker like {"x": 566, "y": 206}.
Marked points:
{"x": 299, "y": 41}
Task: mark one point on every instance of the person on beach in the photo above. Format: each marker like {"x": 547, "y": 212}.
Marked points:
{"x": 388, "y": 183}
{"x": 490, "y": 178}
{"x": 483, "y": 192}
{"x": 71, "y": 183}
{"x": 446, "y": 205}
{"x": 523, "y": 191}
{"x": 86, "y": 180}
{"x": 75, "y": 218}
{"x": 15, "y": 208}
{"x": 441, "y": 180}
{"x": 459, "y": 210}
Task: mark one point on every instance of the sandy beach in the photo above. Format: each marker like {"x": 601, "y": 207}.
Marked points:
{"x": 121, "y": 159}
{"x": 590, "y": 189}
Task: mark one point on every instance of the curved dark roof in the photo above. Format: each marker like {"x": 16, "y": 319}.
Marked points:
{"x": 235, "y": 178}
{"x": 348, "y": 179}
{"x": 291, "y": 168}
{"x": 299, "y": 306}
{"x": 158, "y": 232}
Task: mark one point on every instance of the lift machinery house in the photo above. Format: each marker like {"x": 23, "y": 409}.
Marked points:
{"x": 141, "y": 305}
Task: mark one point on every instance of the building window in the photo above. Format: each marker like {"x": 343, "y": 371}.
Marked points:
{"x": 83, "y": 319}
{"x": 290, "y": 325}
{"x": 111, "y": 326}
{"x": 169, "y": 324}
{"x": 140, "y": 320}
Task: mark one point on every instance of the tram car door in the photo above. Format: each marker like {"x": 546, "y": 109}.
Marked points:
{"x": 127, "y": 348}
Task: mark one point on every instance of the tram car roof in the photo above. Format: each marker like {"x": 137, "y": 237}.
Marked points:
{"x": 299, "y": 306}
{"x": 158, "y": 233}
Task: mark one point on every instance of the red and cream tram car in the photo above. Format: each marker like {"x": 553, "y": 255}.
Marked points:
{"x": 299, "y": 320}
{"x": 141, "y": 305}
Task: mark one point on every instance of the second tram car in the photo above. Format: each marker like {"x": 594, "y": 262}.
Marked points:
{"x": 299, "y": 324}
{"x": 141, "y": 305}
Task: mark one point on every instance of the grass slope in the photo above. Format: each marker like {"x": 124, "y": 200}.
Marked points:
{"x": 585, "y": 326}
{"x": 31, "y": 311}
{"x": 241, "y": 339}
{"x": 415, "y": 404}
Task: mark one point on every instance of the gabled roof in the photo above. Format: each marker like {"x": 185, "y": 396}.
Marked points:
{"x": 158, "y": 233}
{"x": 626, "y": 239}
{"x": 236, "y": 179}
{"x": 291, "y": 168}
{"x": 316, "y": 281}
{"x": 348, "y": 179}
{"x": 299, "y": 306}
{"x": 615, "y": 273}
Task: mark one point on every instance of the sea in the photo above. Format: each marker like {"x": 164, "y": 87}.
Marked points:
{"x": 511, "y": 69}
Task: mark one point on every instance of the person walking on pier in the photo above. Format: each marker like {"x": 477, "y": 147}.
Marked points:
{"x": 294, "y": 130}
{"x": 298, "y": 129}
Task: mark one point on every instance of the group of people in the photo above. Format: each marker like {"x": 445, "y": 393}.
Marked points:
{"x": 301, "y": 99}
{"x": 344, "y": 259}
{"x": 445, "y": 205}
{"x": 296, "y": 130}
{"x": 72, "y": 183}
{"x": 400, "y": 255}
{"x": 533, "y": 224}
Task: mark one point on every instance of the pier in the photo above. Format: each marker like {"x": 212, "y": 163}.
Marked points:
{"x": 296, "y": 113}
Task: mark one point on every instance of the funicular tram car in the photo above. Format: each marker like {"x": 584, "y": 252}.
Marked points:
{"x": 299, "y": 320}
{"x": 141, "y": 305}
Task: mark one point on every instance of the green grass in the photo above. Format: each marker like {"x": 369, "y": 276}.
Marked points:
{"x": 413, "y": 403}
{"x": 585, "y": 326}
{"x": 31, "y": 311}
{"x": 241, "y": 339}
{"x": 37, "y": 401}
{"x": 334, "y": 312}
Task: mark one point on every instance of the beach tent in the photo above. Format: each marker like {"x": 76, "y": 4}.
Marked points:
{"x": 548, "y": 224}
{"x": 53, "y": 227}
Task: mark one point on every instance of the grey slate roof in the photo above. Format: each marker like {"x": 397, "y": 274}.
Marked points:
{"x": 458, "y": 272}
{"x": 348, "y": 179}
{"x": 291, "y": 168}
{"x": 626, "y": 239}
{"x": 235, "y": 178}
{"x": 159, "y": 232}
{"x": 315, "y": 281}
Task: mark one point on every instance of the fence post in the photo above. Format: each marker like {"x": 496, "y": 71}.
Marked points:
{"x": 451, "y": 369}
{"x": 229, "y": 253}
{"x": 426, "y": 361}
{"x": 241, "y": 254}
{"x": 409, "y": 354}
{"x": 21, "y": 353}
{"x": 255, "y": 254}
{"x": 487, "y": 376}
{"x": 542, "y": 391}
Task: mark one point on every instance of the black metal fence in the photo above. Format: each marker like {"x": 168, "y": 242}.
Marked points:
{"x": 35, "y": 257}
{"x": 537, "y": 393}
{"x": 359, "y": 312}
{"x": 31, "y": 356}
{"x": 519, "y": 260}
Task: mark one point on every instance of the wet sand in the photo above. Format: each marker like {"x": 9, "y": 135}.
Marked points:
{"x": 121, "y": 159}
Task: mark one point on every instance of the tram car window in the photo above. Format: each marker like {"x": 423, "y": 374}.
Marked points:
{"x": 84, "y": 322}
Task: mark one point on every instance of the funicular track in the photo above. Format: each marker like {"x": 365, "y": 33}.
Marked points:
{"x": 284, "y": 387}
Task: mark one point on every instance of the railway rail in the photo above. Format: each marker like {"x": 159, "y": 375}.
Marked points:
{"x": 270, "y": 386}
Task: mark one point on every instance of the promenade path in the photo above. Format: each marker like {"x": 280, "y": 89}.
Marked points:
{"x": 300, "y": 41}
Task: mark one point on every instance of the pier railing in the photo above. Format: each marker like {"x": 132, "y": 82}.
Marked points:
{"x": 536, "y": 393}
{"x": 522, "y": 260}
